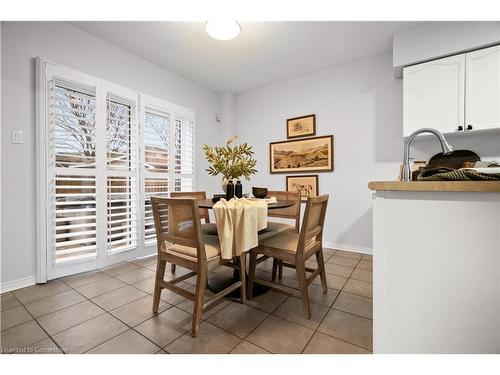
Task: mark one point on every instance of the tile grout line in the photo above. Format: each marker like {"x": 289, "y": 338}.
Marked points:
{"x": 250, "y": 332}
{"x": 38, "y": 323}
{"x": 130, "y": 327}
{"x": 107, "y": 312}
{"x": 133, "y": 328}
{"x": 87, "y": 299}
{"x": 315, "y": 330}
{"x": 176, "y": 305}
{"x": 334, "y": 308}
{"x": 258, "y": 325}
{"x": 223, "y": 329}
{"x": 330, "y": 309}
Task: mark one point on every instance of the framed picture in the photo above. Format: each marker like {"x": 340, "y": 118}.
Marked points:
{"x": 302, "y": 155}
{"x": 307, "y": 185}
{"x": 303, "y": 126}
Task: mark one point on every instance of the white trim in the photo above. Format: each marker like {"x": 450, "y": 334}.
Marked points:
{"x": 147, "y": 256}
{"x": 346, "y": 247}
{"x": 111, "y": 91}
{"x": 41, "y": 170}
{"x": 17, "y": 284}
{"x": 80, "y": 82}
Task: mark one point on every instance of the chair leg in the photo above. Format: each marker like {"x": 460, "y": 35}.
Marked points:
{"x": 280, "y": 270}
{"x": 321, "y": 264}
{"x": 243, "y": 276}
{"x": 201, "y": 284}
{"x": 301, "y": 276}
{"x": 251, "y": 274}
{"x": 172, "y": 268}
{"x": 160, "y": 275}
{"x": 275, "y": 269}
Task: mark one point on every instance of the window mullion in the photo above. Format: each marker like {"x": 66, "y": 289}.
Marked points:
{"x": 171, "y": 153}
{"x": 142, "y": 177}
{"x": 101, "y": 175}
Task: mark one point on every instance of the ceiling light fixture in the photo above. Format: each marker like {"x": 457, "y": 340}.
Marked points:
{"x": 222, "y": 30}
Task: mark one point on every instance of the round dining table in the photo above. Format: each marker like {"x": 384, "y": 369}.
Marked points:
{"x": 208, "y": 203}
{"x": 215, "y": 285}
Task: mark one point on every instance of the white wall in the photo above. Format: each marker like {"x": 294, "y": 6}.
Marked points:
{"x": 70, "y": 46}
{"x": 360, "y": 103}
{"x": 227, "y": 114}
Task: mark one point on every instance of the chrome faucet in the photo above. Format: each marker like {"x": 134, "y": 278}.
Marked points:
{"x": 447, "y": 149}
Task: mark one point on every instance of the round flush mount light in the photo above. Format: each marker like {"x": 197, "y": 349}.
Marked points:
{"x": 222, "y": 30}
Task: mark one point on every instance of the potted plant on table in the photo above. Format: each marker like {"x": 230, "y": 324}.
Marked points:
{"x": 232, "y": 162}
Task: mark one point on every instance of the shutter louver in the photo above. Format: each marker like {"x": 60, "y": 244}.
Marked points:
{"x": 122, "y": 213}
{"x": 156, "y": 166}
{"x": 184, "y": 154}
{"x": 75, "y": 132}
{"x": 122, "y": 189}
{"x": 72, "y": 178}
{"x": 75, "y": 218}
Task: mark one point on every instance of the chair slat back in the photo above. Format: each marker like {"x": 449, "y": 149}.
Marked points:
{"x": 199, "y": 195}
{"x": 314, "y": 220}
{"x": 292, "y": 212}
{"x": 177, "y": 221}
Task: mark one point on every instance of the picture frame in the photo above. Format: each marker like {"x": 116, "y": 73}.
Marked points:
{"x": 303, "y": 126}
{"x": 308, "y": 185}
{"x": 313, "y": 154}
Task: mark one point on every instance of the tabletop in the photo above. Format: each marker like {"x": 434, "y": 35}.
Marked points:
{"x": 207, "y": 203}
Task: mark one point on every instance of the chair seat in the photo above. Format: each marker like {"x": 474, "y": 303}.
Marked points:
{"x": 209, "y": 229}
{"x": 212, "y": 249}
{"x": 274, "y": 228}
{"x": 287, "y": 241}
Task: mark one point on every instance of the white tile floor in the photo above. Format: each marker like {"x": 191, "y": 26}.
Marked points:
{"x": 109, "y": 311}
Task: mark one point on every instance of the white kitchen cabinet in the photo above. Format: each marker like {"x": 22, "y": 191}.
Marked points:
{"x": 482, "y": 89}
{"x": 433, "y": 95}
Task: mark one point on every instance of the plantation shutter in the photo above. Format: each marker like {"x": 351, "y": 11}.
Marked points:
{"x": 184, "y": 154}
{"x": 122, "y": 162}
{"x": 71, "y": 169}
{"x": 156, "y": 165}
{"x": 98, "y": 167}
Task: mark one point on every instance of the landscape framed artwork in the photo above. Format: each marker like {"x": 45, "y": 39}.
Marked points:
{"x": 307, "y": 185}
{"x": 302, "y": 155}
{"x": 304, "y": 126}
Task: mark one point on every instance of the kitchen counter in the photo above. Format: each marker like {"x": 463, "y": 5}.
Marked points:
{"x": 465, "y": 186}
{"x": 436, "y": 267}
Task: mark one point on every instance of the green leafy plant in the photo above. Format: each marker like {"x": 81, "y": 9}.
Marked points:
{"x": 231, "y": 161}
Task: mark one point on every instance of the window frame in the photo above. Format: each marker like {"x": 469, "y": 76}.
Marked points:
{"x": 74, "y": 79}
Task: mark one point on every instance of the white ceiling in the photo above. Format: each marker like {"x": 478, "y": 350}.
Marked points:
{"x": 263, "y": 53}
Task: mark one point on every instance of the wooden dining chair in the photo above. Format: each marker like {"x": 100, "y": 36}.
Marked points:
{"x": 207, "y": 227}
{"x": 290, "y": 214}
{"x": 181, "y": 241}
{"x": 293, "y": 249}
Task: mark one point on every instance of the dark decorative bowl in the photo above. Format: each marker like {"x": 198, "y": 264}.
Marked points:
{"x": 259, "y": 192}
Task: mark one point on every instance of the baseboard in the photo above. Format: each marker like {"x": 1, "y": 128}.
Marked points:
{"x": 17, "y": 284}
{"x": 345, "y": 247}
